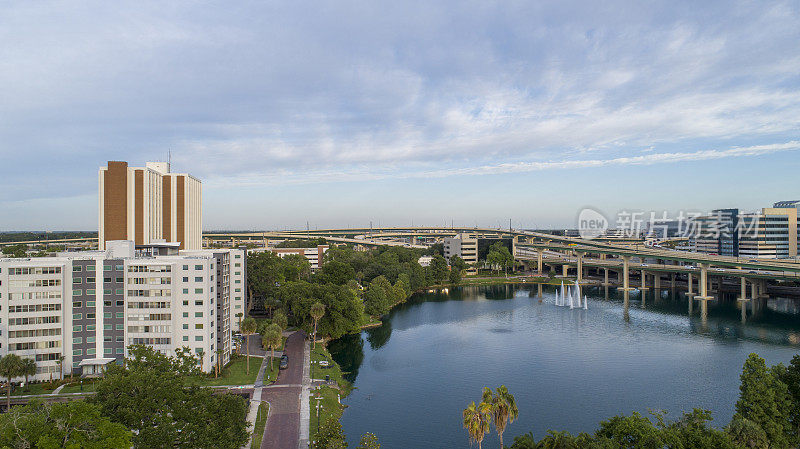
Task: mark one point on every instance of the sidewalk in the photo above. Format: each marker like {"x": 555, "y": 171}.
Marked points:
{"x": 255, "y": 402}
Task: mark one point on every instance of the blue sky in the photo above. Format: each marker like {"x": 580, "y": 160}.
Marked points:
{"x": 340, "y": 113}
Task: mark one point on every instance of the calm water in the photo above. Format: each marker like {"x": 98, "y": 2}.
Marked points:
{"x": 568, "y": 369}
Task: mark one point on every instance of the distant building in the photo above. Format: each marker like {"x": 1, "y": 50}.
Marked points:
{"x": 315, "y": 255}
{"x": 146, "y": 204}
{"x": 464, "y": 246}
{"x": 664, "y": 228}
{"x": 424, "y": 261}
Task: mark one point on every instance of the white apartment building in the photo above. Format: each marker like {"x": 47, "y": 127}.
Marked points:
{"x": 314, "y": 255}
{"x": 88, "y": 307}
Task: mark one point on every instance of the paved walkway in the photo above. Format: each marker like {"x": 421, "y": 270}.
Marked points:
{"x": 283, "y": 426}
{"x": 255, "y": 402}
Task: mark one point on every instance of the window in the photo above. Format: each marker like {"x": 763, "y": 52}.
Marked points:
{"x": 77, "y": 305}
{"x": 198, "y": 338}
{"x": 76, "y": 280}
{"x": 186, "y": 267}
{"x": 198, "y": 314}
{"x": 118, "y": 351}
{"x": 90, "y": 327}
{"x": 120, "y": 339}
{"x": 119, "y": 268}
{"x": 119, "y": 291}
{"x": 186, "y": 279}
{"x": 106, "y": 350}
{"x": 107, "y": 291}
{"x": 77, "y": 352}
{"x": 77, "y": 340}
{"x": 91, "y": 351}
{"x": 120, "y": 327}
{"x": 186, "y": 326}
{"x": 185, "y": 338}
{"x": 106, "y": 279}
{"x": 186, "y": 314}
{"x": 198, "y": 290}
{"x": 238, "y": 256}
{"x": 120, "y": 280}
{"x": 107, "y": 339}
{"x": 185, "y": 291}
{"x": 89, "y": 303}
{"x": 121, "y": 303}
{"x": 237, "y": 265}
{"x": 238, "y": 273}
{"x": 198, "y": 350}
{"x": 198, "y": 326}
{"x": 198, "y": 278}
{"x": 77, "y": 328}
{"x": 106, "y": 303}
{"x": 107, "y": 327}
{"x": 199, "y": 302}
{"x": 77, "y": 316}
{"x": 107, "y": 315}
{"x": 77, "y": 292}
{"x": 198, "y": 267}
{"x": 90, "y": 339}
{"x": 90, "y": 268}
{"x": 238, "y": 290}
{"x": 185, "y": 302}
{"x": 107, "y": 267}
{"x": 237, "y": 306}
{"x": 91, "y": 316}
{"x": 77, "y": 269}
{"x": 91, "y": 280}
{"x": 120, "y": 315}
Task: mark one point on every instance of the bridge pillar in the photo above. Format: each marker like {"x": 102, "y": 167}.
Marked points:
{"x": 625, "y": 273}
{"x": 580, "y": 267}
{"x": 672, "y": 280}
{"x": 644, "y": 280}
{"x": 656, "y": 281}
{"x": 539, "y": 292}
{"x": 539, "y": 260}
{"x": 605, "y": 277}
{"x": 565, "y": 270}
{"x": 704, "y": 297}
{"x": 690, "y": 283}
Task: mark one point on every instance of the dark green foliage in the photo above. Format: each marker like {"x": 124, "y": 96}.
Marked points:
{"x": 335, "y": 272}
{"x": 765, "y": 400}
{"x": 149, "y": 396}
{"x": 330, "y": 435}
{"x": 438, "y": 269}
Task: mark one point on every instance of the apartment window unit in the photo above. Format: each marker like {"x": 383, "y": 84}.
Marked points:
{"x": 120, "y": 280}
{"x": 90, "y": 304}
{"x": 90, "y": 268}
{"x": 77, "y": 328}
{"x": 120, "y": 339}
{"x": 186, "y": 326}
{"x": 107, "y": 339}
{"x": 34, "y": 308}
{"x": 149, "y": 329}
{"x": 198, "y": 278}
{"x": 198, "y": 290}
{"x": 198, "y": 326}
{"x": 106, "y": 303}
{"x": 91, "y": 280}
{"x": 149, "y": 341}
{"x": 34, "y": 295}
{"x": 77, "y": 352}
{"x": 186, "y": 314}
{"x": 118, "y": 351}
{"x": 90, "y": 292}
{"x": 186, "y": 267}
{"x": 120, "y": 327}
{"x": 33, "y": 270}
{"x": 120, "y": 303}
{"x": 77, "y": 268}
{"x": 198, "y": 338}
{"x": 151, "y": 317}
{"x": 34, "y": 333}
{"x": 107, "y": 267}
{"x": 77, "y": 340}
{"x": 91, "y": 316}
{"x": 106, "y": 327}
{"x": 28, "y": 283}
{"x": 47, "y": 357}
{"x": 91, "y": 351}
{"x": 185, "y": 338}
{"x": 185, "y": 291}
{"x": 77, "y": 316}
{"x": 198, "y": 302}
{"x": 237, "y": 265}
{"x": 90, "y": 327}
{"x": 91, "y": 339}
{"x": 106, "y": 291}
{"x": 198, "y": 314}
{"x": 30, "y": 345}
{"x": 77, "y": 292}
{"x": 186, "y": 279}
{"x": 34, "y": 320}
{"x": 150, "y": 269}
{"x": 120, "y": 314}
{"x": 198, "y": 267}
{"x": 148, "y": 305}
{"x": 106, "y": 350}
{"x": 119, "y": 268}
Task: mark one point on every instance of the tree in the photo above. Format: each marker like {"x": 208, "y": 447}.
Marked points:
{"x": 455, "y": 276}
{"x": 248, "y": 328}
{"x": 149, "y": 396}
{"x": 477, "y": 421}
{"x": 317, "y": 311}
{"x": 438, "y": 268}
{"x": 368, "y": 441}
{"x": 377, "y": 298}
{"x": 790, "y": 376}
{"x": 764, "y": 400}
{"x": 271, "y": 339}
{"x": 335, "y": 272}
{"x": 330, "y": 435}
{"x": 11, "y": 366}
{"x": 747, "y": 434}
{"x": 503, "y": 408}
{"x": 634, "y": 432}
{"x": 280, "y": 319}
{"x": 239, "y": 316}
{"x": 457, "y": 263}
{"x": 28, "y": 368}
{"x": 74, "y": 424}
{"x": 60, "y": 363}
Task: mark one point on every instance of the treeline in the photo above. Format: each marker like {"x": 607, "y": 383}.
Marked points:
{"x": 147, "y": 403}
{"x": 24, "y": 236}
{"x": 767, "y": 417}
{"x": 352, "y": 285}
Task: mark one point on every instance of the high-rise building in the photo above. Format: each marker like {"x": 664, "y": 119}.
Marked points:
{"x": 148, "y": 204}
{"x": 88, "y": 307}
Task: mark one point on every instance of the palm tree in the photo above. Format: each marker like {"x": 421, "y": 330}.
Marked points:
{"x": 60, "y": 363}
{"x": 218, "y": 368}
{"x": 317, "y": 311}
{"x": 271, "y": 339}
{"x": 503, "y": 408}
{"x": 201, "y": 354}
{"x": 248, "y": 328}
{"x": 28, "y": 369}
{"x": 477, "y": 421}
{"x": 11, "y": 366}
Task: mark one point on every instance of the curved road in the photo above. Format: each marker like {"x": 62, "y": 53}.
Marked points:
{"x": 283, "y": 426}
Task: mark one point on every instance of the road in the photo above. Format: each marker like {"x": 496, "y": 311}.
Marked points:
{"x": 283, "y": 426}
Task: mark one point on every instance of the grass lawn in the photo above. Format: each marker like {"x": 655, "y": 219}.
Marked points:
{"x": 236, "y": 372}
{"x": 261, "y": 421}
{"x": 317, "y": 372}
{"x": 28, "y": 389}
{"x": 329, "y": 407}
{"x": 75, "y": 387}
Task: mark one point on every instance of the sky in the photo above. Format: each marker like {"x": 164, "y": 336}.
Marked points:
{"x": 342, "y": 113}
